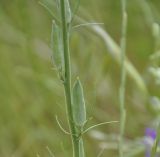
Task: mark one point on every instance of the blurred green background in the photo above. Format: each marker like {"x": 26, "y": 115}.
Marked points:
{"x": 31, "y": 94}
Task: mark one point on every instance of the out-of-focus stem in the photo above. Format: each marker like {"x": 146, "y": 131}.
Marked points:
{"x": 123, "y": 78}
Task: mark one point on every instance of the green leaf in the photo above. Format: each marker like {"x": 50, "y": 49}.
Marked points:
{"x": 68, "y": 11}
{"x": 57, "y": 48}
{"x": 78, "y": 104}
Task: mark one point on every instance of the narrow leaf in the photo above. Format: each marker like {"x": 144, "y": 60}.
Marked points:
{"x": 57, "y": 48}
{"x": 78, "y": 106}
{"x": 68, "y": 11}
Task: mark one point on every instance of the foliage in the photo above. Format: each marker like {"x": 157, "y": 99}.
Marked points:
{"x": 31, "y": 93}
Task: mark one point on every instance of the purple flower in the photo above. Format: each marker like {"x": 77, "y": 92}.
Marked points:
{"x": 151, "y": 133}
{"x": 150, "y": 136}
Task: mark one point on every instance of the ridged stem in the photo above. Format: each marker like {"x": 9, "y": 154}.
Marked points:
{"x": 67, "y": 80}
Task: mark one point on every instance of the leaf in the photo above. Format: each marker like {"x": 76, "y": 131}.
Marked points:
{"x": 78, "y": 104}
{"x": 68, "y": 11}
{"x": 57, "y": 47}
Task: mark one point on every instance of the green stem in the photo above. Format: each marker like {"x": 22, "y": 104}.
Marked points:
{"x": 156, "y": 142}
{"x": 123, "y": 78}
{"x": 67, "y": 81}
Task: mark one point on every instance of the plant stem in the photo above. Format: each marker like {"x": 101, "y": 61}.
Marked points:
{"x": 67, "y": 81}
{"x": 156, "y": 142}
{"x": 123, "y": 78}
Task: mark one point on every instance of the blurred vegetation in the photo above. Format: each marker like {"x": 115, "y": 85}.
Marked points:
{"x": 31, "y": 95}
